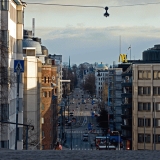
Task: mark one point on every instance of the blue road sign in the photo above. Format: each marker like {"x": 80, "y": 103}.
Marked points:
{"x": 89, "y": 126}
{"x": 19, "y": 65}
{"x": 92, "y": 102}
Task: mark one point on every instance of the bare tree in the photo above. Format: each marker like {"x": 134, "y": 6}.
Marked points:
{"x": 89, "y": 84}
{"x": 32, "y": 136}
{"x": 105, "y": 92}
{"x": 7, "y": 78}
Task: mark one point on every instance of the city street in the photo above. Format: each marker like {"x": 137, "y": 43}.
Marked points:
{"x": 82, "y": 114}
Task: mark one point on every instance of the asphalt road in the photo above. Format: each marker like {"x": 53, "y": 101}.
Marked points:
{"x": 82, "y": 114}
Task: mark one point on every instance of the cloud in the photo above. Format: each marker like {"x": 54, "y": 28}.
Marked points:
{"x": 98, "y": 44}
{"x": 93, "y": 32}
{"x": 86, "y": 35}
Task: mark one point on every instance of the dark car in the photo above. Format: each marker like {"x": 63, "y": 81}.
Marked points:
{"x": 85, "y": 137}
{"x": 69, "y": 123}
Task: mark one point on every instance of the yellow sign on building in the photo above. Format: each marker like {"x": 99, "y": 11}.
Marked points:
{"x": 123, "y": 58}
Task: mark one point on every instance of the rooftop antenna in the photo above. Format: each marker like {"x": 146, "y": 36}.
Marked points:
{"x": 33, "y": 27}
{"x": 119, "y": 44}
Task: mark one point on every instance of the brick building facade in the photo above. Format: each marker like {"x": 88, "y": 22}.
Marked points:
{"x": 49, "y": 106}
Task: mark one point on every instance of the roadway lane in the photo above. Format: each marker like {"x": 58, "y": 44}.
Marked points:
{"x": 82, "y": 113}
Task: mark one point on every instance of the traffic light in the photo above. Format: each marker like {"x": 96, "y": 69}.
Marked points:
{"x": 106, "y": 14}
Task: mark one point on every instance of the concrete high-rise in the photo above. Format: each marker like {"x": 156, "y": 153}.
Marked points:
{"x": 11, "y": 36}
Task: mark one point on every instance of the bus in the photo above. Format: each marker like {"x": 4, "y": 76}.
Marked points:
{"x": 100, "y": 142}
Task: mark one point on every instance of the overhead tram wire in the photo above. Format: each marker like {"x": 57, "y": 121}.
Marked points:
{"x": 133, "y": 5}
{"x": 67, "y": 5}
{"x": 85, "y": 6}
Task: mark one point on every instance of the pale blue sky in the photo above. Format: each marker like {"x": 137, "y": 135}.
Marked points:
{"x": 86, "y": 35}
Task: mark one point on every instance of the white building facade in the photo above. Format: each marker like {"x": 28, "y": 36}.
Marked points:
{"x": 11, "y": 49}
{"x": 101, "y": 77}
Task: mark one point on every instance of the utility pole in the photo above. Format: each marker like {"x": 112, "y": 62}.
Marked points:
{"x": 71, "y": 135}
{"x": 18, "y": 68}
{"x": 17, "y": 108}
{"x": 68, "y": 107}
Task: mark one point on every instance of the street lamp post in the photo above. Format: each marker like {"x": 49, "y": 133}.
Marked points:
{"x": 68, "y": 107}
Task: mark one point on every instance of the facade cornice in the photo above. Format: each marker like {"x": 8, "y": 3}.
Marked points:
{"x": 19, "y": 2}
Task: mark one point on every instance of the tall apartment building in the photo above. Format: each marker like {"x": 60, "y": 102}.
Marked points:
{"x": 126, "y": 106}
{"x": 145, "y": 99}
{"x": 114, "y": 98}
{"x": 11, "y": 36}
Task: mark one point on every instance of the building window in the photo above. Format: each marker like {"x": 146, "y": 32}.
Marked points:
{"x": 4, "y": 144}
{"x": 44, "y": 79}
{"x": 144, "y": 91}
{"x": 4, "y": 5}
{"x": 147, "y": 138}
{"x": 42, "y": 120}
{"x": 156, "y": 90}
{"x": 141, "y": 138}
{"x": 44, "y": 94}
{"x": 141, "y": 122}
{"x": 144, "y": 106}
{"x": 144, "y": 74}
{"x": 157, "y": 122}
{"x": 156, "y": 74}
{"x": 157, "y": 138}
{"x": 48, "y": 79}
{"x": 42, "y": 147}
{"x": 157, "y": 106}
{"x": 49, "y": 94}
